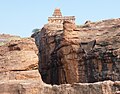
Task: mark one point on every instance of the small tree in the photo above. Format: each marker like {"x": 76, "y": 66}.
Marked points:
{"x": 35, "y": 30}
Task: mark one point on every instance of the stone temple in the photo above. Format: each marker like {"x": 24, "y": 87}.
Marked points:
{"x": 59, "y": 19}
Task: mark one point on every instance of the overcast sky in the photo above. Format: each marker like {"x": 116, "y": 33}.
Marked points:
{"x": 20, "y": 17}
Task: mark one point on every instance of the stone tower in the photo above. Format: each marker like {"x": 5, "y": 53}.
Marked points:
{"x": 57, "y": 13}
{"x": 59, "y": 19}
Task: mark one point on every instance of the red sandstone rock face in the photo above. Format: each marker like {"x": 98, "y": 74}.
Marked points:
{"x": 64, "y": 57}
{"x": 19, "y": 60}
{"x": 88, "y": 53}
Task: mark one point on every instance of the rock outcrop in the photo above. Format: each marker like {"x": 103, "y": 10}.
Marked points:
{"x": 37, "y": 87}
{"x": 88, "y": 53}
{"x": 19, "y": 60}
{"x": 19, "y": 75}
{"x": 79, "y": 58}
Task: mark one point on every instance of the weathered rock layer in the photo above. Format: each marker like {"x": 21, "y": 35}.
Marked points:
{"x": 19, "y": 60}
{"x": 37, "y": 87}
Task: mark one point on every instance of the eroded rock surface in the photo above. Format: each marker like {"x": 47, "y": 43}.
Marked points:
{"x": 19, "y": 60}
{"x": 88, "y": 53}
{"x": 38, "y": 87}
{"x": 70, "y": 54}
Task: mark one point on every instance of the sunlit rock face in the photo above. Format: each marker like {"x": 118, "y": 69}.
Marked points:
{"x": 88, "y": 53}
{"x": 19, "y": 60}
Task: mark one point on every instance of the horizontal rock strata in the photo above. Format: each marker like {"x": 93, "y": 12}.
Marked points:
{"x": 19, "y": 60}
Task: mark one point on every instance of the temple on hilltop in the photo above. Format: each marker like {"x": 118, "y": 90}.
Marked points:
{"x": 59, "y": 19}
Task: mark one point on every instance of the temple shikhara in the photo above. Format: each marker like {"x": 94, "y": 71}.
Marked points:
{"x": 58, "y": 18}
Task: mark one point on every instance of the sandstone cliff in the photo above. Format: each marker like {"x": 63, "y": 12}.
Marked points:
{"x": 68, "y": 54}
{"x": 88, "y": 53}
